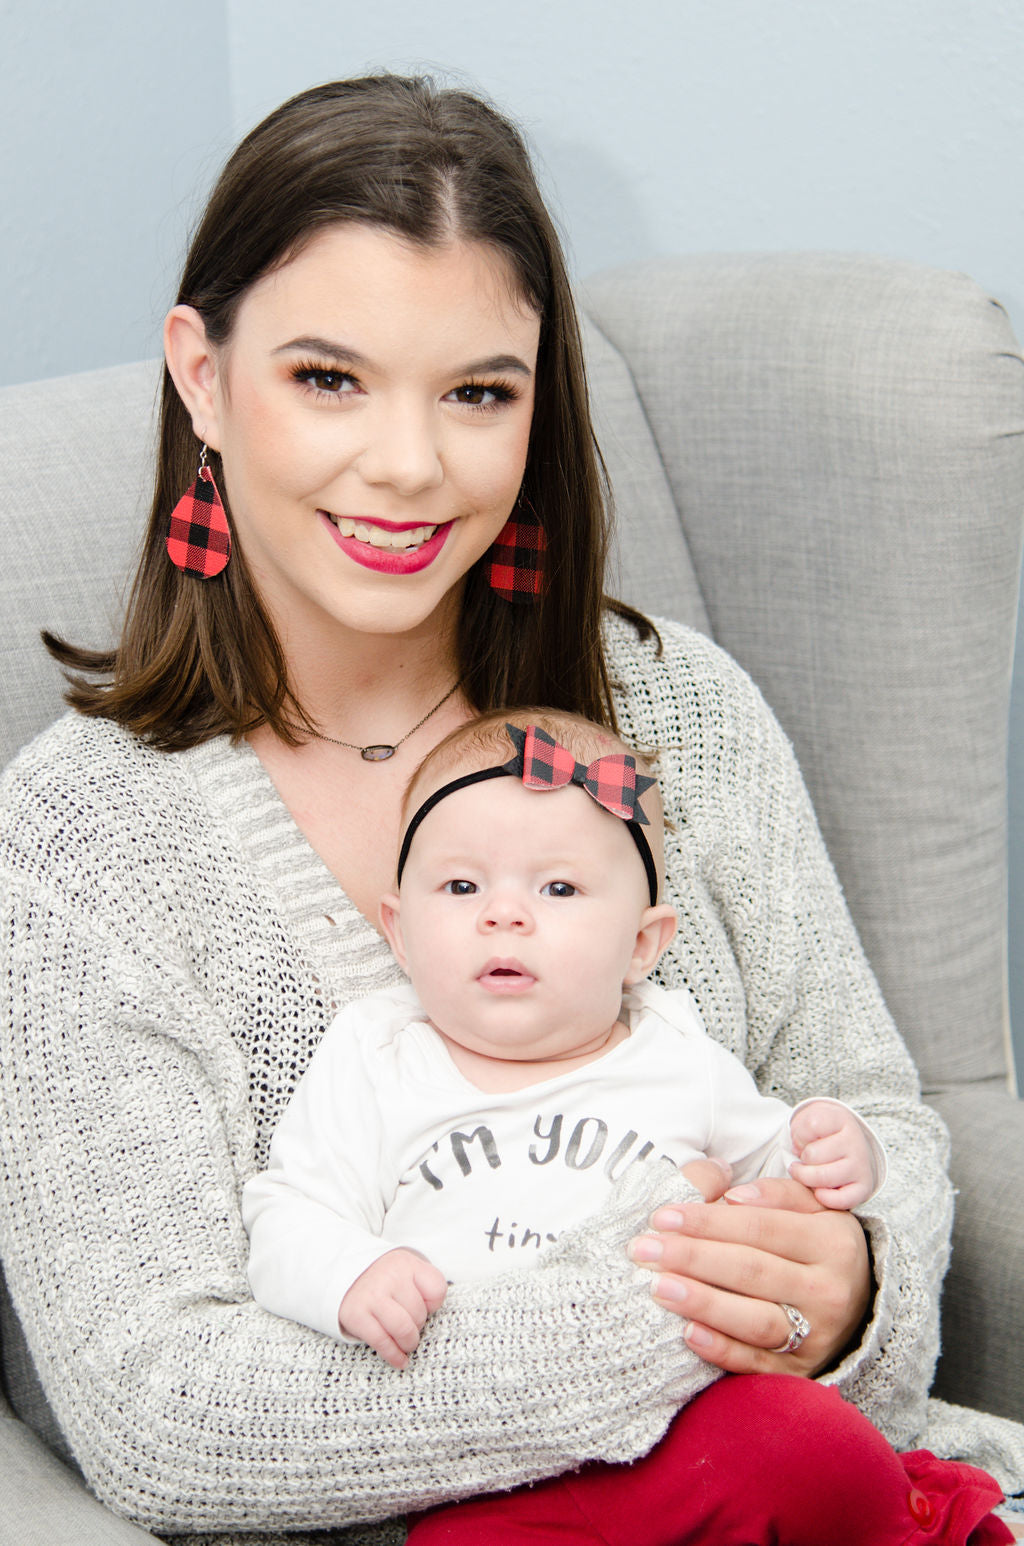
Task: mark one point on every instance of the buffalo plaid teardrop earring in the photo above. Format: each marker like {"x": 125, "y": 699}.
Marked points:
{"x": 199, "y": 542}
{"x": 516, "y": 569}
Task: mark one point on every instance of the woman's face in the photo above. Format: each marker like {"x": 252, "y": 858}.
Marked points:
{"x": 372, "y": 408}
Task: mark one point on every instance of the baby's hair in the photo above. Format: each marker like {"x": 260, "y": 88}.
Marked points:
{"x": 483, "y": 742}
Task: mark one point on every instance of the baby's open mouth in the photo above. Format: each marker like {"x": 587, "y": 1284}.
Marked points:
{"x": 504, "y": 974}
{"x": 380, "y": 536}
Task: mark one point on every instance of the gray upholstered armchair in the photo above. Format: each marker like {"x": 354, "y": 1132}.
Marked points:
{"x": 820, "y": 460}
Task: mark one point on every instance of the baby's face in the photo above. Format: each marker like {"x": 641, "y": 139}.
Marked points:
{"x": 519, "y": 916}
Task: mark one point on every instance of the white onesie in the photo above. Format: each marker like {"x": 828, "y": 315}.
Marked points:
{"x": 385, "y": 1143}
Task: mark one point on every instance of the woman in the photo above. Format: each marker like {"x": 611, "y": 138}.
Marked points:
{"x": 374, "y": 354}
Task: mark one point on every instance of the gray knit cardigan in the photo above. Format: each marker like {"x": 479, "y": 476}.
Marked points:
{"x": 174, "y": 950}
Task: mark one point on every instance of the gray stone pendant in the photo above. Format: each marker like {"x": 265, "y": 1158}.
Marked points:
{"x": 377, "y": 753}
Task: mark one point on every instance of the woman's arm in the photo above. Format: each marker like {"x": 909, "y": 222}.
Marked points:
{"x": 126, "y": 1132}
{"x": 769, "y": 951}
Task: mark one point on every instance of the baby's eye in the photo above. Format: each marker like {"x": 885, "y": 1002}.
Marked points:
{"x": 558, "y": 888}
{"x": 460, "y": 887}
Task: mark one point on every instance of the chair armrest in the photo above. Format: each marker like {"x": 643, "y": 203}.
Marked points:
{"x": 983, "y": 1296}
{"x": 43, "y": 1503}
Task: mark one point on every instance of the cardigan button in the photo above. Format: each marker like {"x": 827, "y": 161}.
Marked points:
{"x": 922, "y": 1507}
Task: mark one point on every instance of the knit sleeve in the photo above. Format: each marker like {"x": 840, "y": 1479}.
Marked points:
{"x": 124, "y": 1111}
{"x": 831, "y": 1034}
{"x": 770, "y": 952}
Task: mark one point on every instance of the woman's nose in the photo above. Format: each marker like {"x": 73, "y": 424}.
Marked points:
{"x": 402, "y": 450}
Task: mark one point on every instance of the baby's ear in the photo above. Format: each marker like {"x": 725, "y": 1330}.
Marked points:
{"x": 657, "y": 926}
{"x": 391, "y": 923}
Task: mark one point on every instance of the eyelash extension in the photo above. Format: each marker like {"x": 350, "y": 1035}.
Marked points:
{"x": 306, "y": 368}
{"x": 502, "y": 392}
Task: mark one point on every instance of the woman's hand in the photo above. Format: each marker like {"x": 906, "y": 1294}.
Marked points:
{"x": 728, "y": 1270}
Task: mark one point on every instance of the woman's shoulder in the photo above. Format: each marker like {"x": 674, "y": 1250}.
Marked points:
{"x": 678, "y": 687}
{"x": 87, "y": 787}
{"x": 92, "y": 761}
{"x": 78, "y": 739}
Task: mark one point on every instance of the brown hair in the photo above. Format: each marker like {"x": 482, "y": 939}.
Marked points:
{"x": 200, "y": 657}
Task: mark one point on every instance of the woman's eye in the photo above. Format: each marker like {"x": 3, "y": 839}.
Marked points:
{"x": 337, "y": 383}
{"x": 474, "y": 394}
{"x": 460, "y": 887}
{"x": 558, "y": 888}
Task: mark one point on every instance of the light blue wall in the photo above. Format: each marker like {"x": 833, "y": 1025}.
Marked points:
{"x": 109, "y": 117}
{"x": 891, "y": 126}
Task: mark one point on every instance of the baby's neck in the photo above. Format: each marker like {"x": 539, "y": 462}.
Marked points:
{"x": 497, "y": 1076}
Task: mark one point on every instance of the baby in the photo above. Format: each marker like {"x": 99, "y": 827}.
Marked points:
{"x": 453, "y": 1128}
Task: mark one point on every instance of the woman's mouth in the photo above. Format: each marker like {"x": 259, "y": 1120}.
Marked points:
{"x": 388, "y": 547}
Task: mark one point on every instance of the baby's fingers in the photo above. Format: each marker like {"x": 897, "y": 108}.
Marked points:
{"x": 832, "y": 1185}
{"x": 368, "y": 1326}
{"x": 394, "y": 1329}
{"x": 432, "y": 1285}
{"x": 828, "y": 1147}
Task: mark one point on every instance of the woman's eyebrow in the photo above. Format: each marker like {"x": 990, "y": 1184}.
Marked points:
{"x": 495, "y": 363}
{"x": 333, "y": 349}
{"x": 326, "y": 346}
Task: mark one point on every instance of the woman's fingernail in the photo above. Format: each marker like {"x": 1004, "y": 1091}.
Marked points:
{"x": 743, "y": 1194}
{"x": 696, "y": 1336}
{"x": 645, "y": 1248}
{"x": 669, "y": 1288}
{"x": 667, "y": 1218}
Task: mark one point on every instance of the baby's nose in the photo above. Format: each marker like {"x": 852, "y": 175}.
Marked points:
{"x": 505, "y": 913}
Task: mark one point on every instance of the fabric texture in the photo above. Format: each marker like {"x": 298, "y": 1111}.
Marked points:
{"x": 146, "y": 1070}
{"x": 843, "y": 439}
{"x": 199, "y": 539}
{"x": 41, "y": 1500}
{"x": 385, "y": 1143}
{"x": 756, "y": 1458}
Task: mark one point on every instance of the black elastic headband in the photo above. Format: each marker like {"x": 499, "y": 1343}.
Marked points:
{"x": 536, "y": 773}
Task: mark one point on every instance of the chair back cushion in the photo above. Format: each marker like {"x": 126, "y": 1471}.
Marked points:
{"x": 843, "y": 439}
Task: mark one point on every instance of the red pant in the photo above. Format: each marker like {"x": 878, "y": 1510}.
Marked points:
{"x": 754, "y": 1460}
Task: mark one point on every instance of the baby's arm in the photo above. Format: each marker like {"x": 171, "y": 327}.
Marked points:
{"x": 836, "y": 1159}
{"x": 387, "y": 1305}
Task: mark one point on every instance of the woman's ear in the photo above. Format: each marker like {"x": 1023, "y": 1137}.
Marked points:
{"x": 391, "y": 923}
{"x": 192, "y": 362}
{"x": 657, "y": 926}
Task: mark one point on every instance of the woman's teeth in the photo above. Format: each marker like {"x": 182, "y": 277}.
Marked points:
{"x": 378, "y": 537}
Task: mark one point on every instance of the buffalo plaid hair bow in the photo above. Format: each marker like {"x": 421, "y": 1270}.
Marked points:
{"x": 612, "y": 781}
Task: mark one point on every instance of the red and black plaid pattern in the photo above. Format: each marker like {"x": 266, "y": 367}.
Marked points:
{"x": 613, "y": 781}
{"x": 516, "y": 569}
{"x": 199, "y": 541}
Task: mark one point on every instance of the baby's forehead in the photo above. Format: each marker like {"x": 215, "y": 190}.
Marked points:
{"x": 501, "y": 826}
{"x": 566, "y": 805}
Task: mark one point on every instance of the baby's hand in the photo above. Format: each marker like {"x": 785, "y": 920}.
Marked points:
{"x": 389, "y": 1302}
{"x": 836, "y": 1159}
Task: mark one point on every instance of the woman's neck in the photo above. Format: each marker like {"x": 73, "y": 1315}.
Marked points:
{"x": 371, "y": 688}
